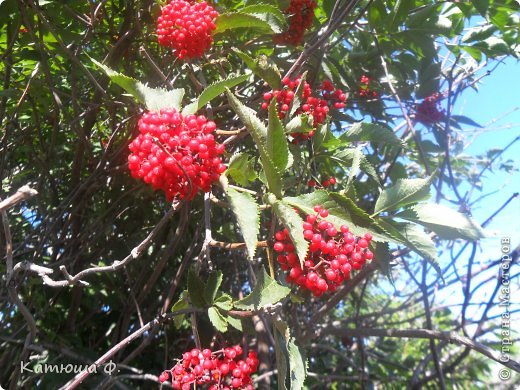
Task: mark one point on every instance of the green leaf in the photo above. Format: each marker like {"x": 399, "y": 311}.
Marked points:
{"x": 481, "y": 6}
{"x": 297, "y": 365}
{"x": 262, "y": 22}
{"x": 371, "y": 132}
{"x": 212, "y": 92}
{"x": 217, "y": 319}
{"x": 248, "y": 217}
{"x": 224, "y": 302}
{"x": 383, "y": 257}
{"x": 298, "y": 96}
{"x": 263, "y": 67}
{"x": 414, "y": 238}
{"x": 356, "y": 160}
{"x": 290, "y": 359}
{"x": 299, "y": 124}
{"x": 242, "y": 169}
{"x": 447, "y": 223}
{"x": 294, "y": 224}
{"x": 268, "y": 13}
{"x": 342, "y": 211}
{"x": 182, "y": 303}
{"x": 276, "y": 143}
{"x": 259, "y": 133}
{"x": 235, "y": 322}
{"x": 465, "y": 120}
{"x": 280, "y": 334}
{"x": 196, "y": 289}
{"x": 212, "y": 285}
{"x": 402, "y": 193}
{"x": 154, "y": 99}
{"x": 266, "y": 292}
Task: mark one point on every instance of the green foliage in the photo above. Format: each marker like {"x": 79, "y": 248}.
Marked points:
{"x": 247, "y": 214}
{"x": 404, "y": 192}
{"x": 154, "y": 99}
{"x": 447, "y": 223}
{"x": 66, "y": 130}
{"x": 212, "y": 92}
{"x": 266, "y": 292}
{"x": 259, "y": 134}
{"x": 294, "y": 224}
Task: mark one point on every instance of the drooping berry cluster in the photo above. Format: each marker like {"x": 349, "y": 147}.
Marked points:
{"x": 301, "y": 14}
{"x": 428, "y": 111}
{"x": 186, "y": 27}
{"x": 223, "y": 369}
{"x": 331, "y": 257}
{"x": 176, "y": 154}
{"x": 364, "y": 90}
{"x": 324, "y": 183}
{"x": 317, "y": 107}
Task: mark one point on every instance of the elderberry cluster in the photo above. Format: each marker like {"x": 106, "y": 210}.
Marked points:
{"x": 215, "y": 370}
{"x": 176, "y": 154}
{"x": 186, "y": 27}
{"x": 331, "y": 257}
{"x": 318, "y": 107}
{"x": 364, "y": 90}
{"x": 428, "y": 111}
{"x": 324, "y": 183}
{"x": 301, "y": 14}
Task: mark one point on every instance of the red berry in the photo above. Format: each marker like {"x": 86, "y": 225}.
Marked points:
{"x": 186, "y": 27}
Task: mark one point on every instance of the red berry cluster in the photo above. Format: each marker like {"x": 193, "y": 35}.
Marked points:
{"x": 325, "y": 182}
{"x": 186, "y": 27}
{"x": 428, "y": 111}
{"x": 331, "y": 257}
{"x": 364, "y": 90}
{"x": 302, "y": 12}
{"x": 176, "y": 154}
{"x": 318, "y": 107}
{"x": 217, "y": 370}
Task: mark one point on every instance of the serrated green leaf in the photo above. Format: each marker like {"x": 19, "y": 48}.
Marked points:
{"x": 383, "y": 257}
{"x": 371, "y": 132}
{"x": 217, "y": 319}
{"x": 297, "y": 365}
{"x": 262, "y": 22}
{"x": 212, "y": 285}
{"x": 241, "y": 168}
{"x": 342, "y": 211}
{"x": 154, "y": 99}
{"x": 414, "y": 238}
{"x": 447, "y": 223}
{"x": 402, "y": 193}
{"x": 266, "y": 292}
{"x": 263, "y": 67}
{"x": 265, "y": 9}
{"x": 350, "y": 157}
{"x": 196, "y": 289}
{"x": 299, "y": 124}
{"x": 281, "y": 334}
{"x": 247, "y": 213}
{"x": 212, "y": 91}
{"x": 258, "y": 131}
{"x": 268, "y": 13}
{"x": 276, "y": 143}
{"x": 290, "y": 359}
{"x": 182, "y": 303}
{"x": 224, "y": 302}
{"x": 235, "y": 322}
{"x": 294, "y": 224}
